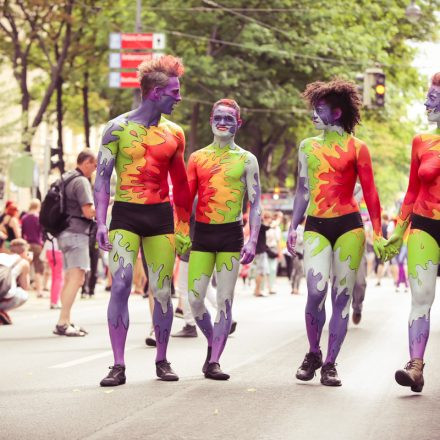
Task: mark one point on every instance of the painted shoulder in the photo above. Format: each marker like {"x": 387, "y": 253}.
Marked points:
{"x": 172, "y": 126}
{"x": 110, "y": 133}
{"x": 307, "y": 143}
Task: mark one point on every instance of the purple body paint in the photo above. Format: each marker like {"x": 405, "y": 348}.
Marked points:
{"x": 162, "y": 327}
{"x": 418, "y": 337}
{"x": 117, "y": 312}
{"x": 221, "y": 333}
{"x": 301, "y": 200}
{"x": 205, "y": 325}
{"x": 315, "y": 318}
{"x": 338, "y": 324}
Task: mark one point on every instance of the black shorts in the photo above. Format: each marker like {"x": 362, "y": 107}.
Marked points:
{"x": 333, "y": 228}
{"x": 143, "y": 220}
{"x": 226, "y": 237}
{"x": 428, "y": 225}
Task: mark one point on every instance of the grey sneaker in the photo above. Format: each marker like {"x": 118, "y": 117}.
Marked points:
{"x": 189, "y": 331}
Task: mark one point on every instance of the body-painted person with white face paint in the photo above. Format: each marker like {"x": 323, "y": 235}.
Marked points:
{"x": 144, "y": 147}
{"x": 220, "y": 174}
{"x": 334, "y": 237}
{"x": 421, "y": 208}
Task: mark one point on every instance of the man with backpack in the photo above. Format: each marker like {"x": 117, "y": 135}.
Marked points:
{"x": 73, "y": 241}
{"x": 14, "y": 278}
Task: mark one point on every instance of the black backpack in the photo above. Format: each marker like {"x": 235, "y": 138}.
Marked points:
{"x": 53, "y": 216}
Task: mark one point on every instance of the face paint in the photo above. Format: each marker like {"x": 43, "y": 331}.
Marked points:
{"x": 169, "y": 96}
{"x": 224, "y": 122}
{"x": 323, "y": 115}
{"x": 432, "y": 104}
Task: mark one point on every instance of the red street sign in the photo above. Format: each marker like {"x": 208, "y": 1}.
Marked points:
{"x": 129, "y": 80}
{"x": 137, "y": 41}
{"x": 125, "y": 80}
{"x": 132, "y": 60}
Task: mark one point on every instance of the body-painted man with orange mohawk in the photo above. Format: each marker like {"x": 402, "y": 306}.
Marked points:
{"x": 328, "y": 167}
{"x": 144, "y": 147}
{"x": 220, "y": 174}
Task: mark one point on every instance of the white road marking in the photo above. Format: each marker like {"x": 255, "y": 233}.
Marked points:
{"x": 85, "y": 359}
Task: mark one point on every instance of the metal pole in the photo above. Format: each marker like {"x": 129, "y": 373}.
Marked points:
{"x": 137, "y": 28}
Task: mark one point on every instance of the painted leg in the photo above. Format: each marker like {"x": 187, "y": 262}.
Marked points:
{"x": 227, "y": 266}
{"x": 423, "y": 260}
{"x": 201, "y": 265}
{"x": 121, "y": 263}
{"x": 347, "y": 256}
{"x": 159, "y": 255}
{"x": 317, "y": 261}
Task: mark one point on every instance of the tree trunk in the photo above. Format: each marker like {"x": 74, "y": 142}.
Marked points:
{"x": 193, "y": 132}
{"x": 283, "y": 168}
{"x": 60, "y": 144}
{"x": 85, "y": 95}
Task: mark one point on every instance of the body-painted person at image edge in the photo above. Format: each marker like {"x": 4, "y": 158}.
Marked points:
{"x": 421, "y": 208}
{"x": 144, "y": 147}
{"x": 220, "y": 174}
{"x": 334, "y": 238}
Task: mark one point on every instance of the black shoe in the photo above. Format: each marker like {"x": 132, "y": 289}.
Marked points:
{"x": 329, "y": 376}
{"x": 310, "y": 364}
{"x": 233, "y": 327}
{"x": 208, "y": 356}
{"x": 115, "y": 377}
{"x": 151, "y": 340}
{"x": 178, "y": 313}
{"x": 165, "y": 372}
{"x": 189, "y": 331}
{"x": 214, "y": 372}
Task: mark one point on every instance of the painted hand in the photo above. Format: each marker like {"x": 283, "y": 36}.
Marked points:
{"x": 291, "y": 242}
{"x": 102, "y": 237}
{"x": 379, "y": 248}
{"x": 183, "y": 243}
{"x": 248, "y": 253}
{"x": 393, "y": 245}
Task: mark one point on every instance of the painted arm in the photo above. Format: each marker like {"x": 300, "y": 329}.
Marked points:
{"x": 106, "y": 162}
{"x": 181, "y": 198}
{"x": 395, "y": 242}
{"x": 301, "y": 201}
{"x": 366, "y": 178}
{"x": 192, "y": 179}
{"x": 254, "y": 195}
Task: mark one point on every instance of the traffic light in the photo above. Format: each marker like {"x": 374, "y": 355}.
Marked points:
{"x": 276, "y": 193}
{"x": 373, "y": 88}
{"x": 379, "y": 89}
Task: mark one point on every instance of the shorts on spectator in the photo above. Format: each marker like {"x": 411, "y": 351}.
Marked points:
{"x": 36, "y": 261}
{"x": 75, "y": 249}
{"x": 16, "y": 297}
{"x": 261, "y": 264}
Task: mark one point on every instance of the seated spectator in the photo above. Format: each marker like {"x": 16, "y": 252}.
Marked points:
{"x": 17, "y": 295}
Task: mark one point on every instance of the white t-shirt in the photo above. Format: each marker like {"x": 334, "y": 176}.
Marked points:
{"x": 8, "y": 260}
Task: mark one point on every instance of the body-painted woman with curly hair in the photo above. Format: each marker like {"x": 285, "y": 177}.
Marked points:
{"x": 421, "y": 208}
{"x": 328, "y": 167}
{"x": 221, "y": 174}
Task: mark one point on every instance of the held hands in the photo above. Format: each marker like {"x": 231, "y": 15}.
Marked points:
{"x": 393, "y": 245}
{"x": 379, "y": 248}
{"x": 248, "y": 252}
{"x": 183, "y": 243}
{"x": 102, "y": 237}
{"x": 291, "y": 241}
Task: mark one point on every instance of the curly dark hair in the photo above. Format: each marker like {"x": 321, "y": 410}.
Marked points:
{"x": 338, "y": 93}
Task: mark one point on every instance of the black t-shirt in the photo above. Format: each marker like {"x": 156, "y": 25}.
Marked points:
{"x": 261, "y": 241}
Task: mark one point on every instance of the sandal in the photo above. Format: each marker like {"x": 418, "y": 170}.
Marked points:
{"x": 81, "y": 329}
{"x": 68, "y": 330}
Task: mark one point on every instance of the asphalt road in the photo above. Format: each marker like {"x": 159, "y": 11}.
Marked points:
{"x": 49, "y": 385}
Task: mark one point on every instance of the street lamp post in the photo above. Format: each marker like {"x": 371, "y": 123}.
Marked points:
{"x": 413, "y": 12}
